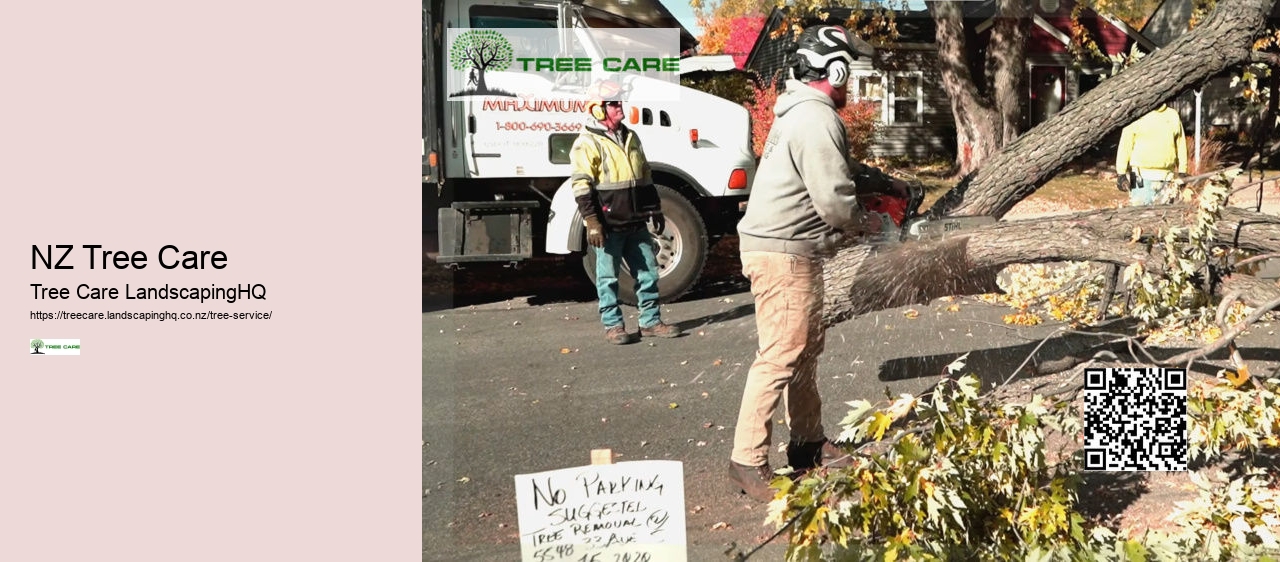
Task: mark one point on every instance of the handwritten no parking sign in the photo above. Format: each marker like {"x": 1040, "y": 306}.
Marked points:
{"x": 624, "y": 512}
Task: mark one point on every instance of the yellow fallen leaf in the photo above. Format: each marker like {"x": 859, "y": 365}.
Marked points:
{"x": 911, "y": 313}
{"x": 1022, "y": 319}
{"x": 1137, "y": 235}
{"x": 879, "y": 423}
{"x": 717, "y": 362}
{"x": 720, "y": 526}
{"x": 673, "y": 406}
{"x": 953, "y": 308}
{"x": 464, "y": 479}
{"x": 564, "y": 350}
{"x": 1237, "y": 378}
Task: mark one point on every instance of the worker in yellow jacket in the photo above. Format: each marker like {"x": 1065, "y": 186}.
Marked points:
{"x": 613, "y": 187}
{"x": 1154, "y": 149}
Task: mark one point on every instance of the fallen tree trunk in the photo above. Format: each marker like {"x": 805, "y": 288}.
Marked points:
{"x": 863, "y": 279}
{"x": 1224, "y": 40}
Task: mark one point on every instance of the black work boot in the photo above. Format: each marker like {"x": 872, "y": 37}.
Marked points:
{"x": 804, "y": 456}
{"x": 753, "y": 480}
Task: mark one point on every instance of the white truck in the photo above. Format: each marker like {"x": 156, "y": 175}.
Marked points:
{"x": 495, "y": 169}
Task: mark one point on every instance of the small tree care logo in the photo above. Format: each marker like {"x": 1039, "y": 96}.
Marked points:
{"x": 54, "y": 347}
{"x": 478, "y": 51}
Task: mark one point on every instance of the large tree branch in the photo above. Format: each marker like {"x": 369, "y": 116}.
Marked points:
{"x": 1272, "y": 59}
{"x": 866, "y": 278}
{"x": 1228, "y": 337}
{"x": 1222, "y": 41}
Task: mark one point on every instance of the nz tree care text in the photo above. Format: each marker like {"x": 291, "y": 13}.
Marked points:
{"x": 169, "y": 257}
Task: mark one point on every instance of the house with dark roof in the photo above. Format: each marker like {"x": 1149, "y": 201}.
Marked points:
{"x": 903, "y": 79}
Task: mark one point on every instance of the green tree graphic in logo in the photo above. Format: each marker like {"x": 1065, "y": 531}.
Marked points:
{"x": 37, "y": 345}
{"x": 476, "y": 52}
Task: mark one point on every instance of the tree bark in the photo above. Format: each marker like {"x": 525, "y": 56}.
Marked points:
{"x": 866, "y": 278}
{"x": 986, "y": 118}
{"x": 976, "y": 128}
{"x": 1224, "y": 40}
{"x": 1006, "y": 60}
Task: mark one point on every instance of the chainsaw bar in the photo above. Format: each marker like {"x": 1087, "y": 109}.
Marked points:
{"x": 920, "y": 229}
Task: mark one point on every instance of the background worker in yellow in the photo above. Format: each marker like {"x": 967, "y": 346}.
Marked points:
{"x": 1155, "y": 148}
{"x": 614, "y": 190}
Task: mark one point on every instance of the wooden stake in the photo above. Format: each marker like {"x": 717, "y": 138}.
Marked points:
{"x": 602, "y": 456}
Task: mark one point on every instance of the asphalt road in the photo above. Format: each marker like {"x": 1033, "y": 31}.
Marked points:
{"x": 511, "y": 388}
{"x": 517, "y": 379}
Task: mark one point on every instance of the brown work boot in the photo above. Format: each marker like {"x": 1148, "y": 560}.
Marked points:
{"x": 753, "y": 480}
{"x": 804, "y": 456}
{"x": 660, "y": 330}
{"x": 617, "y": 335}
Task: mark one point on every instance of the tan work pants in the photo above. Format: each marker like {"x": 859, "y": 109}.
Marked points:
{"x": 788, "y": 296}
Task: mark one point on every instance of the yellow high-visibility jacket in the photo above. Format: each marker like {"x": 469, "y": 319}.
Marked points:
{"x": 1153, "y": 143}
{"x": 612, "y": 181}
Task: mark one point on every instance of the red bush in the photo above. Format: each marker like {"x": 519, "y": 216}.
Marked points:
{"x": 761, "y": 116}
{"x": 860, "y": 121}
{"x": 742, "y": 38}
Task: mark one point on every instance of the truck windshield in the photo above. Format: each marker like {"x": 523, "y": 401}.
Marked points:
{"x": 510, "y": 17}
{"x": 525, "y": 17}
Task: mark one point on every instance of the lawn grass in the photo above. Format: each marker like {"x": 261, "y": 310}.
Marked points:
{"x": 1080, "y": 186}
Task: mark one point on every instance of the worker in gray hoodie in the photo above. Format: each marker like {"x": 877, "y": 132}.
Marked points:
{"x": 802, "y": 206}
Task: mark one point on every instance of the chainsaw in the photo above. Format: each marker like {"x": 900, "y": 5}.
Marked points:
{"x": 901, "y": 221}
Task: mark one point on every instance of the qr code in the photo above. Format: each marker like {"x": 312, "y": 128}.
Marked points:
{"x": 1135, "y": 419}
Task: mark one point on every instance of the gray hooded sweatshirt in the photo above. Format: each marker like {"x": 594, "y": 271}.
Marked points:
{"x": 802, "y": 199}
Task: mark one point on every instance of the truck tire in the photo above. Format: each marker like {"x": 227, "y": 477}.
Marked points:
{"x": 682, "y": 252}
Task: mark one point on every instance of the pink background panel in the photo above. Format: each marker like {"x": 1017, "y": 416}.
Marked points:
{"x": 284, "y": 133}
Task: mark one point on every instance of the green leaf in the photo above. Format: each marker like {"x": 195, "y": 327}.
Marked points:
{"x": 969, "y": 385}
{"x": 858, "y": 408}
{"x": 1134, "y": 551}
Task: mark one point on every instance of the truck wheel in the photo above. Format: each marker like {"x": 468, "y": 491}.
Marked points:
{"x": 682, "y": 252}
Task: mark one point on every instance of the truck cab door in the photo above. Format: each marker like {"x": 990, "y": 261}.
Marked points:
{"x": 517, "y": 125}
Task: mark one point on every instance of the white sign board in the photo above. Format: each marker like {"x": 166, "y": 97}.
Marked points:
{"x": 624, "y": 512}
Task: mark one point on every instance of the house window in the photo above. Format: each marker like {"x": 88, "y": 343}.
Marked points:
{"x": 869, "y": 88}
{"x": 900, "y": 103}
{"x": 907, "y": 101}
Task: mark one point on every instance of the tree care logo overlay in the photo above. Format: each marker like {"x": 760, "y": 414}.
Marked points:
{"x": 54, "y": 347}
{"x": 533, "y": 62}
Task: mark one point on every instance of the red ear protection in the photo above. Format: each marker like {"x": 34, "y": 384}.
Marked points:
{"x": 600, "y": 92}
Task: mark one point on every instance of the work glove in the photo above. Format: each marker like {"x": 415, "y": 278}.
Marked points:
{"x": 595, "y": 231}
{"x": 900, "y": 188}
{"x": 1122, "y": 182}
{"x": 657, "y": 223}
